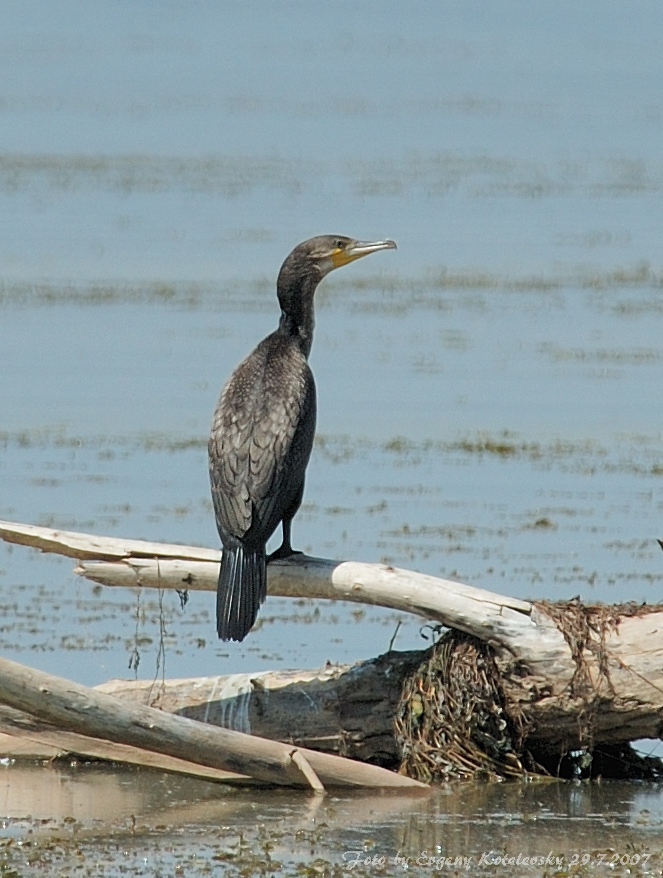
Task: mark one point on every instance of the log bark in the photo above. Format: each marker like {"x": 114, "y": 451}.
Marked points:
{"x": 576, "y": 676}
{"x": 77, "y": 708}
{"x": 24, "y": 736}
{"x": 343, "y": 709}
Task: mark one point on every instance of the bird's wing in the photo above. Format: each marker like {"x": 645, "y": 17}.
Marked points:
{"x": 228, "y": 467}
{"x": 261, "y": 440}
{"x": 281, "y": 444}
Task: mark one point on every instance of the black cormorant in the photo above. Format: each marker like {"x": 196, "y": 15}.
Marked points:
{"x": 262, "y": 434}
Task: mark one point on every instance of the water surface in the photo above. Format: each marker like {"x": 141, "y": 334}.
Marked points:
{"x": 488, "y": 393}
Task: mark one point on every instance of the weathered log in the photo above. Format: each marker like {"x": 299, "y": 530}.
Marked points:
{"x": 342, "y": 709}
{"x": 81, "y": 545}
{"x": 350, "y": 710}
{"x": 23, "y": 735}
{"x": 509, "y": 622}
{"x": 77, "y": 708}
{"x": 571, "y": 675}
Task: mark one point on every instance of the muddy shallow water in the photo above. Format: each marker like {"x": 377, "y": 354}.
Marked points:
{"x": 98, "y": 821}
{"x": 488, "y": 393}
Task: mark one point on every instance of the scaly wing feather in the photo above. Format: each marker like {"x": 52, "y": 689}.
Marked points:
{"x": 261, "y": 439}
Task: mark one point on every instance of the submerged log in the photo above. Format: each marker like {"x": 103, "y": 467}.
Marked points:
{"x": 79, "y": 709}
{"x": 567, "y": 675}
{"x": 457, "y": 699}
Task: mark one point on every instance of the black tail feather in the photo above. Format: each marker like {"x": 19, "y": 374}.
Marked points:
{"x": 242, "y": 589}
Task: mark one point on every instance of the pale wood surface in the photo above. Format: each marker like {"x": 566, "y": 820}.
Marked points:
{"x": 344, "y": 709}
{"x": 77, "y": 708}
{"x": 82, "y": 545}
{"x": 21, "y": 735}
{"x": 497, "y": 618}
{"x": 533, "y": 656}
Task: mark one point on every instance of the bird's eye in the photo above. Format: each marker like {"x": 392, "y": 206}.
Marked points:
{"x": 339, "y": 244}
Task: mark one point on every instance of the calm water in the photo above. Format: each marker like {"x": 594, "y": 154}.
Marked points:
{"x": 100, "y": 822}
{"x": 157, "y": 163}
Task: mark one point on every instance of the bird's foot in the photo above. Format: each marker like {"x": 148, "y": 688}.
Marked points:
{"x": 283, "y": 552}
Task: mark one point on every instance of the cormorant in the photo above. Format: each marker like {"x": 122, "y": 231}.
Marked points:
{"x": 262, "y": 434}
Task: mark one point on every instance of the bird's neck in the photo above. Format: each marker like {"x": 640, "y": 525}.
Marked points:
{"x": 297, "y": 319}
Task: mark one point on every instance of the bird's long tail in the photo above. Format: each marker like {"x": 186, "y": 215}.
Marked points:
{"x": 242, "y": 589}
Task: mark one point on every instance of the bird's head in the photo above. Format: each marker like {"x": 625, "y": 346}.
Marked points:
{"x": 303, "y": 270}
{"x": 318, "y": 256}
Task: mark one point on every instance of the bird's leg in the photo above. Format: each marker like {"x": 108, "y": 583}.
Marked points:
{"x": 285, "y": 550}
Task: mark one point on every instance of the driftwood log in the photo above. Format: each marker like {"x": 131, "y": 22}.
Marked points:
{"x": 341, "y": 709}
{"x": 23, "y": 735}
{"x": 558, "y": 677}
{"x": 98, "y": 714}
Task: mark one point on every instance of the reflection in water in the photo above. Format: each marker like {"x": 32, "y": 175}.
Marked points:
{"x": 93, "y": 806}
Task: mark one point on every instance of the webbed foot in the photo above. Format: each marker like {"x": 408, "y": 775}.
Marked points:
{"x": 283, "y": 552}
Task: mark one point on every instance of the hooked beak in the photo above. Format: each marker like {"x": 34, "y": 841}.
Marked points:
{"x": 358, "y": 249}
